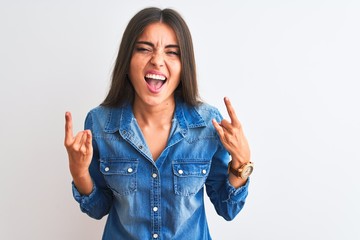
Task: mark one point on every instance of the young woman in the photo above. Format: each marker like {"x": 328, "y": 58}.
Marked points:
{"x": 150, "y": 148}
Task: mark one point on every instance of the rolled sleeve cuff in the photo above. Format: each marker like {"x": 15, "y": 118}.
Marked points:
{"x": 84, "y": 200}
{"x": 239, "y": 194}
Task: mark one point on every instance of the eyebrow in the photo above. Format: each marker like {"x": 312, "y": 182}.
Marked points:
{"x": 152, "y": 45}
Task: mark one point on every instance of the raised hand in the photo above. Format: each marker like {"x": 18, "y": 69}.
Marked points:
{"x": 80, "y": 151}
{"x": 232, "y": 136}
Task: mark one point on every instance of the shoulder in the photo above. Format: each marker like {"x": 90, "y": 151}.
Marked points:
{"x": 208, "y": 112}
{"x": 199, "y": 115}
{"x": 100, "y": 110}
{"x": 96, "y": 117}
{"x": 104, "y": 111}
{"x": 100, "y": 116}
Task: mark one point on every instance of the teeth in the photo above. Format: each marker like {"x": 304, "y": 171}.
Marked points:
{"x": 157, "y": 77}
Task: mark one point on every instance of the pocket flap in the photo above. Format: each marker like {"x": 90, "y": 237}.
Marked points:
{"x": 118, "y": 167}
{"x": 193, "y": 169}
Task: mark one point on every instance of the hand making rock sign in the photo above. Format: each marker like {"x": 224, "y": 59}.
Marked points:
{"x": 232, "y": 137}
{"x": 80, "y": 151}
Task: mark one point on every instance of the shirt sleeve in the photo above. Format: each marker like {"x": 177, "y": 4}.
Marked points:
{"x": 227, "y": 200}
{"x": 98, "y": 203}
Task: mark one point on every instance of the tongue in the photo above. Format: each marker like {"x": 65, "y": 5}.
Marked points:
{"x": 155, "y": 84}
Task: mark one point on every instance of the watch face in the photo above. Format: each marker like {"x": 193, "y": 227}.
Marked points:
{"x": 247, "y": 171}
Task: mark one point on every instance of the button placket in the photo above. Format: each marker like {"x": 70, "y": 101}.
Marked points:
{"x": 155, "y": 203}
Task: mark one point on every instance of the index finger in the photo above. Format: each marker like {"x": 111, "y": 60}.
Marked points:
{"x": 68, "y": 128}
{"x": 234, "y": 120}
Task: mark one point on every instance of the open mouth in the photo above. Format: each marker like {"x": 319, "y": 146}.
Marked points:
{"x": 155, "y": 82}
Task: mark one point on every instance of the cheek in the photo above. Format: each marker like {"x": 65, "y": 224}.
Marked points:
{"x": 178, "y": 73}
{"x": 135, "y": 69}
{"x": 176, "y": 68}
{"x": 133, "y": 65}
{"x": 138, "y": 61}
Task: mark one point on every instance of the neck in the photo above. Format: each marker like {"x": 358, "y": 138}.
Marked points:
{"x": 159, "y": 115}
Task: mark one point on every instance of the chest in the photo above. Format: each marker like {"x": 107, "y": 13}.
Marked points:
{"x": 156, "y": 139}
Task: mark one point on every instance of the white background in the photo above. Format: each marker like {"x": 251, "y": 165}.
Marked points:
{"x": 291, "y": 69}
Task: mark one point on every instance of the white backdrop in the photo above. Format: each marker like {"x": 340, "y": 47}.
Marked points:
{"x": 291, "y": 69}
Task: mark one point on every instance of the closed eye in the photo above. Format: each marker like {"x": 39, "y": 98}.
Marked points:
{"x": 141, "y": 49}
{"x": 173, "y": 53}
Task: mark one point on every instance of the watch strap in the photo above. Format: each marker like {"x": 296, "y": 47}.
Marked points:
{"x": 237, "y": 172}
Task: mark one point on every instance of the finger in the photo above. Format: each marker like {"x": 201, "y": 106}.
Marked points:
{"x": 218, "y": 128}
{"x": 88, "y": 142}
{"x": 68, "y": 129}
{"x": 78, "y": 140}
{"x": 83, "y": 138}
{"x": 225, "y": 124}
{"x": 234, "y": 120}
{"x": 83, "y": 143}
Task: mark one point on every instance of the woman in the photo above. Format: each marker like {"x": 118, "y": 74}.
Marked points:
{"x": 150, "y": 148}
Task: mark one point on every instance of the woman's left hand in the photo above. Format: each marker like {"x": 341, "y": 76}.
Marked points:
{"x": 232, "y": 136}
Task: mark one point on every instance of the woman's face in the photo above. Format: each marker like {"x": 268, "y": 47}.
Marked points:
{"x": 155, "y": 65}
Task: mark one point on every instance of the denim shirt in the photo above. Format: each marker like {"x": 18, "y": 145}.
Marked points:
{"x": 162, "y": 199}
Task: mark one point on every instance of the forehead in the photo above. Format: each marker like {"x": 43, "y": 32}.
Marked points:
{"x": 158, "y": 33}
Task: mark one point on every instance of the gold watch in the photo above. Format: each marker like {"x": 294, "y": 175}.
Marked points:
{"x": 244, "y": 171}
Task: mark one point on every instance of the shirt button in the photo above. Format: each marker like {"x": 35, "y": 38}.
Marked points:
{"x": 204, "y": 171}
{"x": 154, "y": 175}
{"x": 155, "y": 235}
{"x": 130, "y": 170}
{"x": 107, "y": 169}
{"x": 180, "y": 171}
{"x": 140, "y": 146}
{"x": 155, "y": 209}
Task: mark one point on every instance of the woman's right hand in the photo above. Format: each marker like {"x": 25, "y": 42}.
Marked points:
{"x": 80, "y": 152}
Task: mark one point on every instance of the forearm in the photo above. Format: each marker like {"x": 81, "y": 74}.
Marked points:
{"x": 83, "y": 184}
{"x": 235, "y": 181}
{"x": 97, "y": 204}
{"x": 91, "y": 192}
{"x": 227, "y": 200}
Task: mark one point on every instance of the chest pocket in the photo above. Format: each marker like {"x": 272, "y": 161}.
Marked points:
{"x": 189, "y": 177}
{"x": 120, "y": 175}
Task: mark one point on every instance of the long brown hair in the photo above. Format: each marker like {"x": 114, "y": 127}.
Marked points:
{"x": 121, "y": 90}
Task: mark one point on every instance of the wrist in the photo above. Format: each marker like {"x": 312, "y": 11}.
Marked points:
{"x": 240, "y": 170}
{"x": 78, "y": 171}
{"x": 239, "y": 160}
{"x": 83, "y": 184}
{"x": 80, "y": 176}
{"x": 236, "y": 164}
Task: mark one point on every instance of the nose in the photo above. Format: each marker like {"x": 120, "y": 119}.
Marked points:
{"x": 157, "y": 59}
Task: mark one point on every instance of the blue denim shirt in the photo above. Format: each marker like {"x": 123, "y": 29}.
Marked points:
{"x": 162, "y": 199}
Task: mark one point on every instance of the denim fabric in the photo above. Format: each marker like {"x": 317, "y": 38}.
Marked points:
{"x": 162, "y": 199}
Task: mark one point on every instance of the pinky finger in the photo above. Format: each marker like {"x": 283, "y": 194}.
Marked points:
{"x": 84, "y": 138}
{"x": 88, "y": 139}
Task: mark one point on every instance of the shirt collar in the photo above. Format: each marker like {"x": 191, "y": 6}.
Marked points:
{"x": 187, "y": 116}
